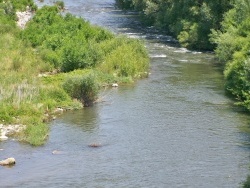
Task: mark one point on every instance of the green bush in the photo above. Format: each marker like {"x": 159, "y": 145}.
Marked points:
{"x": 21, "y": 5}
{"x": 52, "y": 58}
{"x": 82, "y": 88}
{"x": 124, "y": 58}
{"x": 171, "y": 16}
{"x": 69, "y": 42}
{"x": 233, "y": 44}
{"x": 76, "y": 55}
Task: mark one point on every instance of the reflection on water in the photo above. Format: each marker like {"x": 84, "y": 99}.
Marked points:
{"x": 174, "y": 129}
{"x": 86, "y": 119}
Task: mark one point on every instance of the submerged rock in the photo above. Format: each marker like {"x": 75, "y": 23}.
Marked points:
{"x": 8, "y": 161}
{"x": 95, "y": 145}
{"x": 56, "y": 152}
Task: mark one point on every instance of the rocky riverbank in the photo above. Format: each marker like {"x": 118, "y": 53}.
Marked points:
{"x": 8, "y": 130}
{"x": 24, "y": 17}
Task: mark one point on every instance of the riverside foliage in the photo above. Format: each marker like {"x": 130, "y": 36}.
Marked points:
{"x": 58, "y": 60}
{"x": 189, "y": 21}
{"x": 233, "y": 48}
{"x": 222, "y": 26}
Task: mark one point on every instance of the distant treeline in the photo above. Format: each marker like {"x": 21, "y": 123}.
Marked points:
{"x": 222, "y": 26}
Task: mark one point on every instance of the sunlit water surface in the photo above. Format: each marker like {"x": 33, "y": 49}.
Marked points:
{"x": 173, "y": 129}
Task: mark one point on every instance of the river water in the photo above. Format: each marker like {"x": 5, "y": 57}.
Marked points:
{"x": 174, "y": 129}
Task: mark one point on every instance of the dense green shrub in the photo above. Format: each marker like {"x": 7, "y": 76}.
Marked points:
{"x": 80, "y": 54}
{"x": 246, "y": 184}
{"x": 125, "y": 58}
{"x": 7, "y": 9}
{"x": 70, "y": 42}
{"x": 233, "y": 44}
{"x": 189, "y": 21}
{"x": 21, "y": 5}
{"x": 83, "y": 88}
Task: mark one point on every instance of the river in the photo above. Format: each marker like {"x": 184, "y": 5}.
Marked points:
{"x": 174, "y": 129}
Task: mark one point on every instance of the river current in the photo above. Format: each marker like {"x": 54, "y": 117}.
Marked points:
{"x": 175, "y": 128}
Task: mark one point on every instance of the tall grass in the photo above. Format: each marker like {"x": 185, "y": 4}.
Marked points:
{"x": 31, "y": 84}
{"x": 124, "y": 58}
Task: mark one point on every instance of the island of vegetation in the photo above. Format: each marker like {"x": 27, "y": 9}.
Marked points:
{"x": 57, "y": 62}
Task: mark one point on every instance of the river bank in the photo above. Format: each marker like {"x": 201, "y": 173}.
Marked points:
{"x": 10, "y": 130}
{"x": 78, "y": 56}
{"x": 222, "y": 27}
{"x": 174, "y": 129}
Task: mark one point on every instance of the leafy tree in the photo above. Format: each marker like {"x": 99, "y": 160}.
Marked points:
{"x": 233, "y": 44}
{"x": 188, "y": 20}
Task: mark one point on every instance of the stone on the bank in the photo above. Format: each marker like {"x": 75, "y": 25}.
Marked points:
{"x": 8, "y": 161}
{"x": 115, "y": 85}
{"x": 58, "y": 110}
{"x": 8, "y": 130}
{"x": 3, "y": 135}
{"x": 23, "y": 18}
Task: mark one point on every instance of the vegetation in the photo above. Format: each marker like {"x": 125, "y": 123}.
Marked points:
{"x": 57, "y": 61}
{"x": 233, "y": 44}
{"x": 223, "y": 26}
{"x": 190, "y": 21}
{"x": 247, "y": 183}
{"x": 84, "y": 88}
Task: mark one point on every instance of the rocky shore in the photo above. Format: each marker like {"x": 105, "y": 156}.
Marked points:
{"x": 24, "y": 17}
{"x": 8, "y": 130}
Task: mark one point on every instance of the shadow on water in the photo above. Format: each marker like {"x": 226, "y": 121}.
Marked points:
{"x": 86, "y": 119}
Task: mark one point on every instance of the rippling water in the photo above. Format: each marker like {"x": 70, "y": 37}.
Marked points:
{"x": 174, "y": 129}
